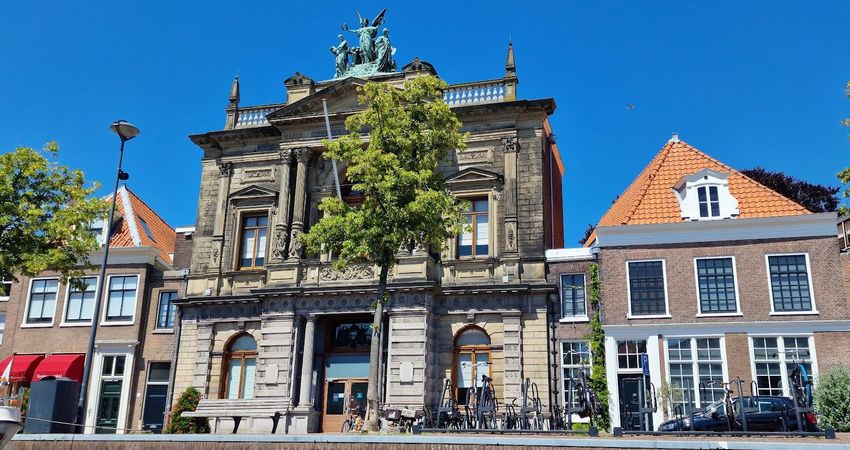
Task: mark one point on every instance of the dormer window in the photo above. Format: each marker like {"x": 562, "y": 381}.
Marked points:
{"x": 709, "y": 204}
{"x": 705, "y": 196}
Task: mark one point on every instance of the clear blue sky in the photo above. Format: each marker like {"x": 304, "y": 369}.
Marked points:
{"x": 751, "y": 83}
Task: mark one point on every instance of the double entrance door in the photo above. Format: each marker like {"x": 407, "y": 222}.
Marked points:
{"x": 340, "y": 395}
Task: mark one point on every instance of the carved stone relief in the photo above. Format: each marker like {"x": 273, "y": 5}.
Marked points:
{"x": 350, "y": 273}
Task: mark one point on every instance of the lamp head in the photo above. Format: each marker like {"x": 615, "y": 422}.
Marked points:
{"x": 125, "y": 130}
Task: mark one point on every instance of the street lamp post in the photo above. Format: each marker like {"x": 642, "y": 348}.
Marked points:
{"x": 125, "y": 132}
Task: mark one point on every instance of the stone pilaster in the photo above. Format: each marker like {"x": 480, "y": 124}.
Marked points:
{"x": 281, "y": 227}
{"x": 302, "y": 155}
{"x": 225, "y": 175}
{"x": 512, "y": 322}
{"x": 509, "y": 197}
{"x": 276, "y": 355}
{"x": 407, "y": 359}
{"x": 305, "y": 399}
{"x": 203, "y": 358}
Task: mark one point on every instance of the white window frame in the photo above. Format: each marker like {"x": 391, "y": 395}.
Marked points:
{"x": 5, "y": 298}
{"x": 687, "y": 192}
{"x": 578, "y": 318}
{"x": 88, "y": 323}
{"x": 159, "y": 305}
{"x": 695, "y": 361}
{"x": 630, "y": 370}
{"x": 700, "y": 313}
{"x": 562, "y": 366}
{"x": 27, "y": 302}
{"x": 126, "y": 381}
{"x": 103, "y": 321}
{"x": 783, "y": 363}
{"x": 666, "y": 315}
{"x": 773, "y": 312}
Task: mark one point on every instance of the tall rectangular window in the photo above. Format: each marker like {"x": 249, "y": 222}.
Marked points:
{"x": 81, "y": 302}
{"x": 254, "y": 235}
{"x": 789, "y": 283}
{"x": 693, "y": 363}
{"x": 5, "y": 290}
{"x": 475, "y": 239}
{"x": 121, "y": 304}
{"x": 572, "y": 295}
{"x": 42, "y": 301}
{"x": 575, "y": 355}
{"x": 165, "y": 312}
{"x": 774, "y": 359}
{"x": 716, "y": 284}
{"x": 709, "y": 203}
{"x": 646, "y": 288}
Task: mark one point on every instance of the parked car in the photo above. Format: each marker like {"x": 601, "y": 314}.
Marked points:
{"x": 766, "y": 413}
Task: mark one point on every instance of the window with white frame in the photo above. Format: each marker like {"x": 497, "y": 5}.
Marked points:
{"x": 789, "y": 283}
{"x": 80, "y": 303}
{"x": 42, "y": 301}
{"x": 5, "y": 290}
{"x": 647, "y": 292}
{"x": 121, "y": 304}
{"x": 575, "y": 355}
{"x": 716, "y": 285}
{"x": 705, "y": 195}
{"x": 573, "y": 295}
{"x": 165, "y": 312}
{"x": 709, "y": 202}
{"x": 774, "y": 359}
{"x": 695, "y": 367}
{"x": 628, "y": 354}
{"x": 474, "y": 241}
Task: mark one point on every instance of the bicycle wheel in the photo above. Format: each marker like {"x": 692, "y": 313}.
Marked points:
{"x": 346, "y": 426}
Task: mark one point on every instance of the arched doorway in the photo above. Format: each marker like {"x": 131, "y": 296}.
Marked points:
{"x": 240, "y": 367}
{"x": 471, "y": 360}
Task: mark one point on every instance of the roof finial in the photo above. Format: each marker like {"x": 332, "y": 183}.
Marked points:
{"x": 510, "y": 65}
{"x": 234, "y": 91}
{"x": 675, "y": 137}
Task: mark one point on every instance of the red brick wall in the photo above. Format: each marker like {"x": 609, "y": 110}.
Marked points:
{"x": 751, "y": 278}
{"x": 831, "y": 349}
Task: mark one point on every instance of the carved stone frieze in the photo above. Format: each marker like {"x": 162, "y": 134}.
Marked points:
{"x": 255, "y": 174}
{"x": 474, "y": 156}
{"x": 350, "y": 273}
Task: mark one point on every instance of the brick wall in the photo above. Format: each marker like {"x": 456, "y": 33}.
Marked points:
{"x": 832, "y": 350}
{"x": 751, "y": 278}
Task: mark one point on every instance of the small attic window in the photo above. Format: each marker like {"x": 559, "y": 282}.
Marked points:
{"x": 705, "y": 196}
{"x": 146, "y": 228}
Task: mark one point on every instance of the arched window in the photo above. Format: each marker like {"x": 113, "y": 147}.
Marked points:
{"x": 241, "y": 364}
{"x": 472, "y": 360}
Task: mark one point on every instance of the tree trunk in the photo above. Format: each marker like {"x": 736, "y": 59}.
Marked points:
{"x": 373, "y": 407}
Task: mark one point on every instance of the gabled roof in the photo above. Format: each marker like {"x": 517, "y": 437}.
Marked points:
{"x": 136, "y": 216}
{"x": 651, "y": 199}
{"x": 341, "y": 96}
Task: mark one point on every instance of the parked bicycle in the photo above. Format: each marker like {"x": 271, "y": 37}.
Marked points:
{"x": 355, "y": 414}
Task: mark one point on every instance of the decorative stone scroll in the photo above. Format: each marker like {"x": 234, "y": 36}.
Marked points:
{"x": 511, "y": 144}
{"x": 350, "y": 273}
{"x": 226, "y": 169}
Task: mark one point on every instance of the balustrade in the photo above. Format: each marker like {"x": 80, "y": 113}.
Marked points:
{"x": 475, "y": 93}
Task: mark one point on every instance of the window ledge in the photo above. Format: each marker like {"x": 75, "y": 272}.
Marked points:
{"x": 115, "y": 324}
{"x": 736, "y": 314}
{"x": 576, "y": 319}
{"x": 75, "y": 324}
{"x": 163, "y": 331}
{"x": 4, "y": 299}
{"x": 657, "y": 316}
{"x": 37, "y": 325}
{"x": 794, "y": 313}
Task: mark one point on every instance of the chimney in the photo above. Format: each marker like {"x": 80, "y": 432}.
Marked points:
{"x": 675, "y": 137}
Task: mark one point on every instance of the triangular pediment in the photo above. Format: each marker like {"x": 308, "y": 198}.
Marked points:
{"x": 473, "y": 177}
{"x": 253, "y": 192}
{"x": 341, "y": 96}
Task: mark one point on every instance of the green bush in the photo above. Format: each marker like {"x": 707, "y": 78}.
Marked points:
{"x": 177, "y": 424}
{"x": 832, "y": 400}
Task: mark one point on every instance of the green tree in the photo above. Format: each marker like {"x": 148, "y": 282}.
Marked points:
{"x": 832, "y": 399}
{"x": 598, "y": 376}
{"x": 177, "y": 424}
{"x": 405, "y": 201}
{"x": 46, "y": 210}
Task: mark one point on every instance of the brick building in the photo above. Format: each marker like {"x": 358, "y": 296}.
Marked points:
{"x": 267, "y": 324}
{"x": 47, "y": 323}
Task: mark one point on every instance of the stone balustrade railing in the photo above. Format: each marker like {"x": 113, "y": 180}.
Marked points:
{"x": 475, "y": 93}
{"x": 251, "y": 116}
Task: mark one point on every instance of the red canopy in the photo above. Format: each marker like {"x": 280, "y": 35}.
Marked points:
{"x": 68, "y": 366}
{"x": 22, "y": 368}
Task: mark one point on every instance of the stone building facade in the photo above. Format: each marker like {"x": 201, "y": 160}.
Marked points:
{"x": 48, "y": 323}
{"x": 707, "y": 275}
{"x": 264, "y": 323}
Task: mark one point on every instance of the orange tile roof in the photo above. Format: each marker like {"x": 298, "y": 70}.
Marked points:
{"x": 651, "y": 199}
{"x": 132, "y": 232}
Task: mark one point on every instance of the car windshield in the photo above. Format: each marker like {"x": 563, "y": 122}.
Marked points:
{"x": 717, "y": 407}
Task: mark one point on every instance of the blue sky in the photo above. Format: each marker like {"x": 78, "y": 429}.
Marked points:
{"x": 751, "y": 83}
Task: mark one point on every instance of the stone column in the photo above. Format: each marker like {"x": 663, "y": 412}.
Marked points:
{"x": 281, "y": 227}
{"x": 226, "y": 172}
{"x": 305, "y": 398}
{"x": 511, "y": 321}
{"x": 302, "y": 155}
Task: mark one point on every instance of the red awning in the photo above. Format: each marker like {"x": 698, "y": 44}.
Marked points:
{"x": 22, "y": 368}
{"x": 67, "y": 366}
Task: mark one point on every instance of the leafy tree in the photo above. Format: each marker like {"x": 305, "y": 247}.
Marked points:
{"x": 177, "y": 424}
{"x": 404, "y": 196}
{"x": 46, "y": 210}
{"x": 832, "y": 400}
{"x": 587, "y": 232}
{"x": 598, "y": 377}
{"x": 814, "y": 197}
